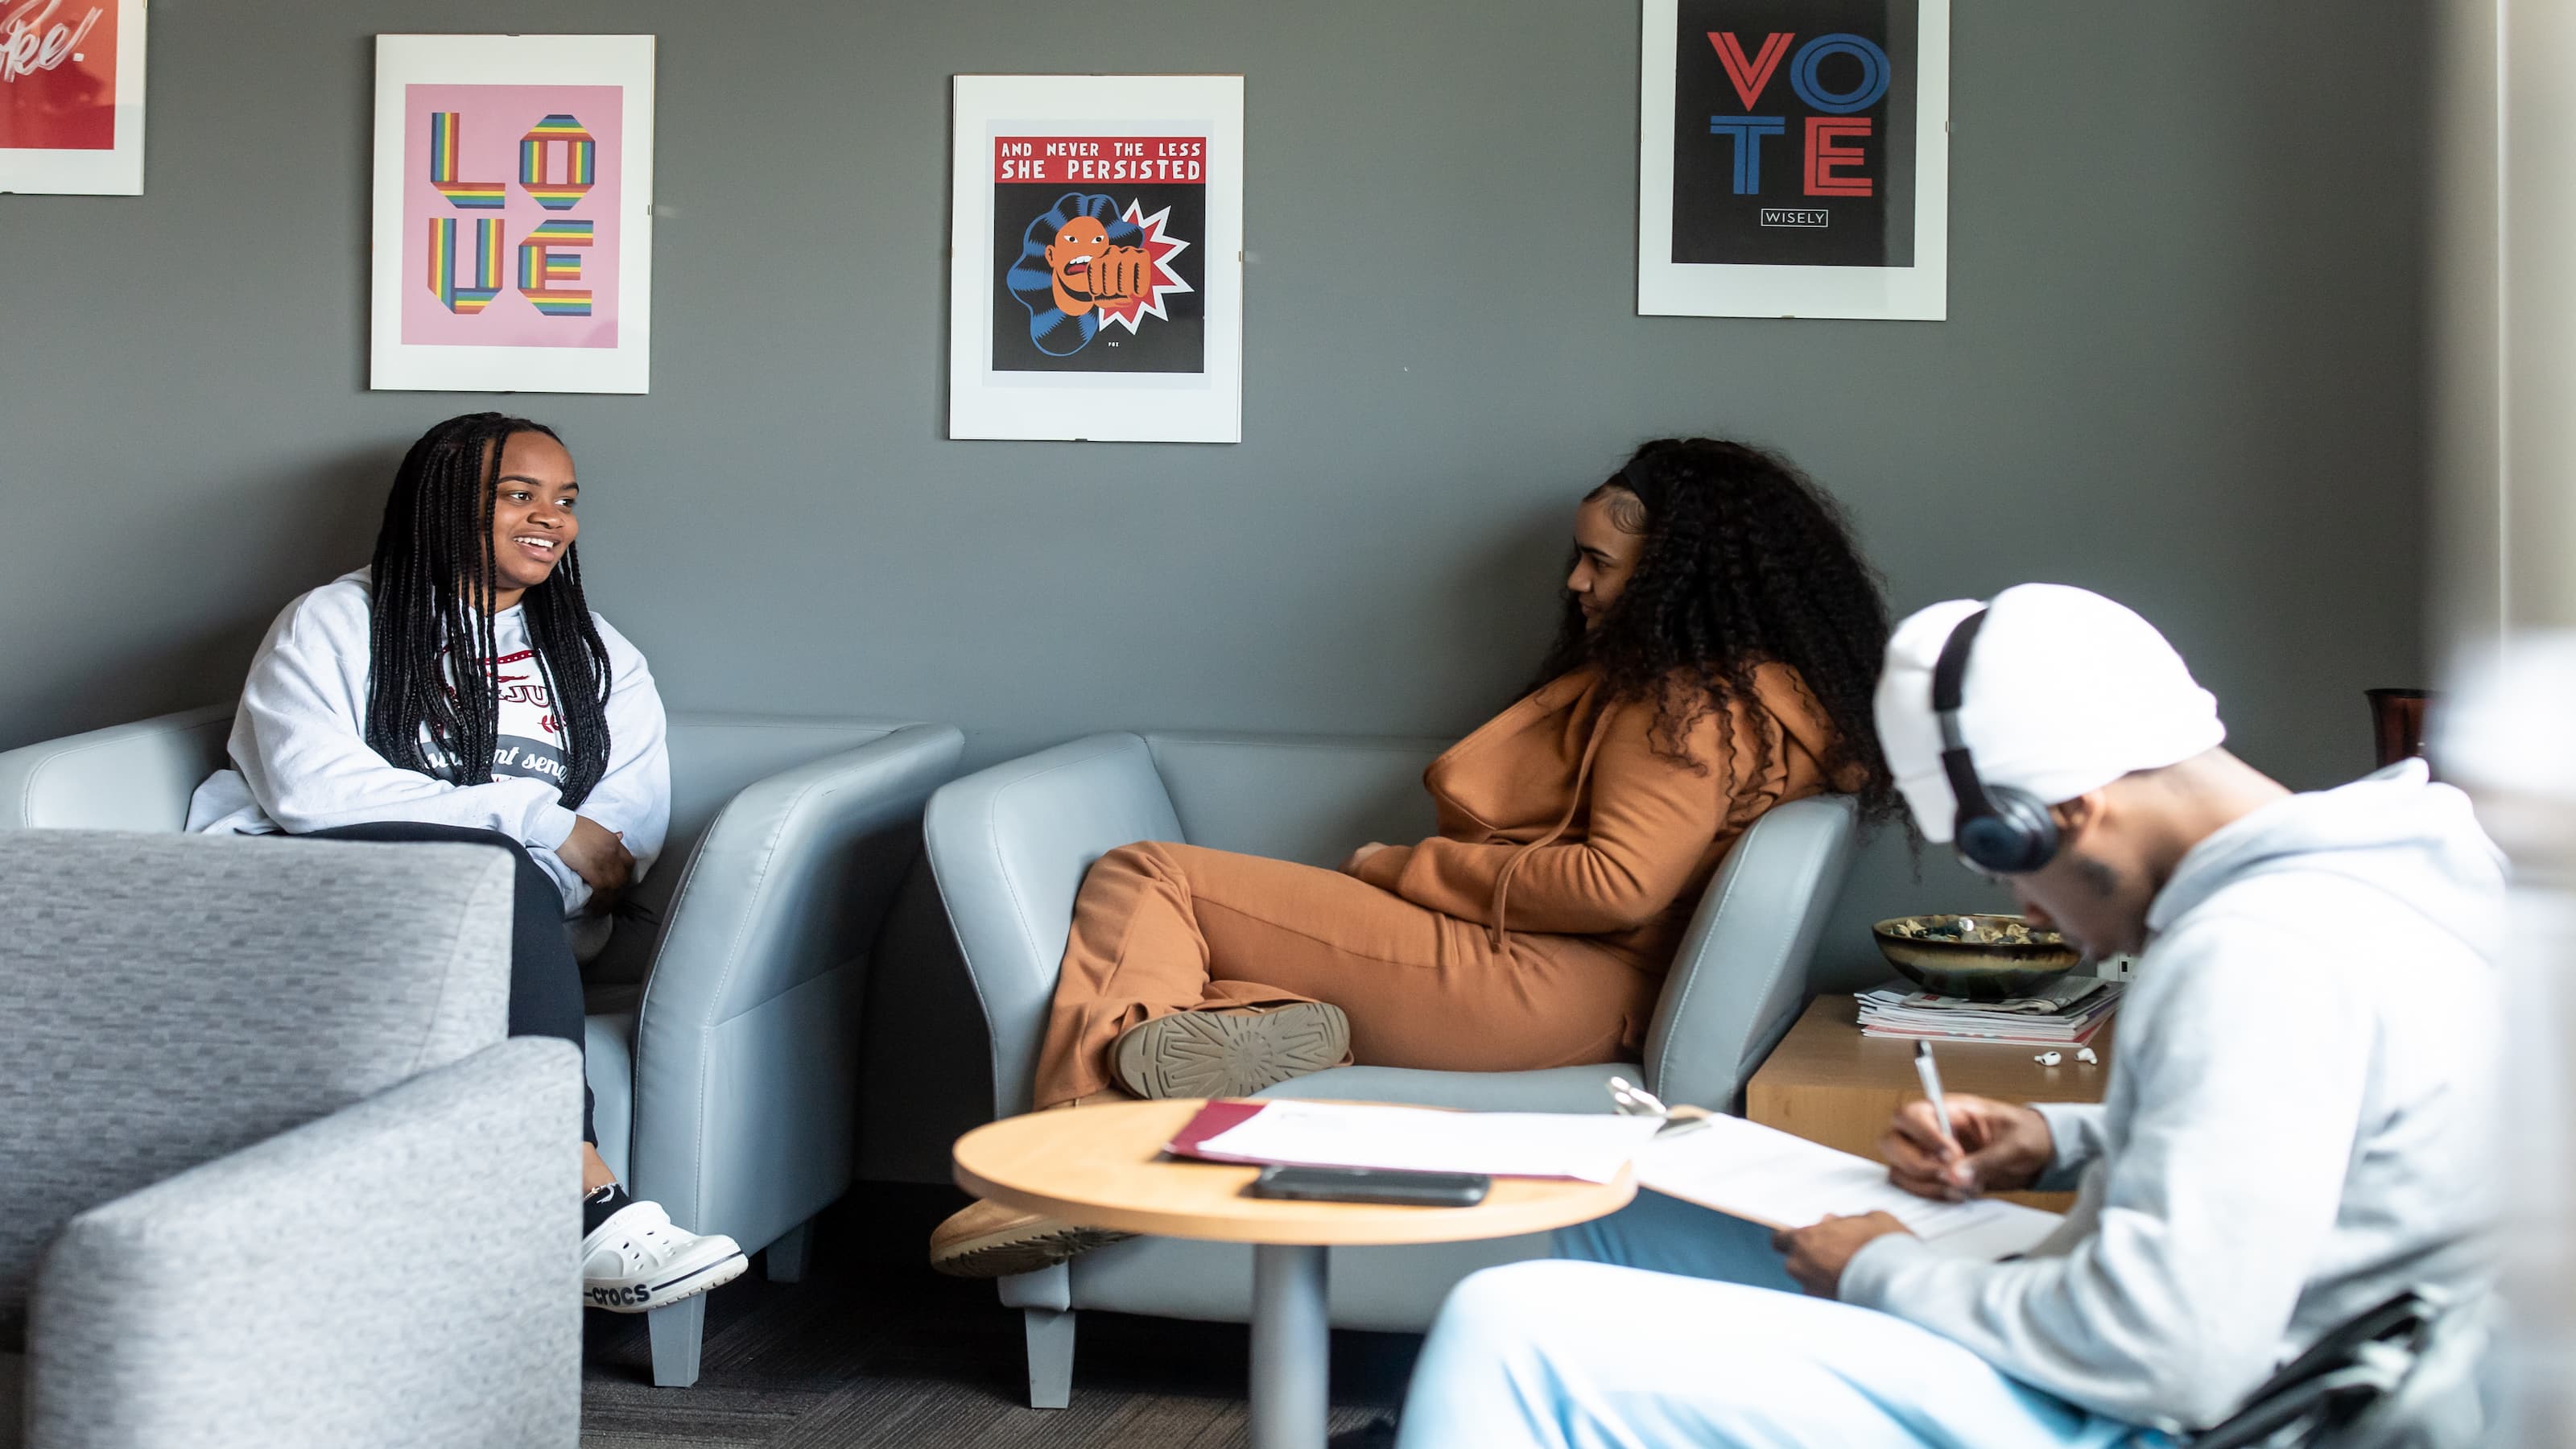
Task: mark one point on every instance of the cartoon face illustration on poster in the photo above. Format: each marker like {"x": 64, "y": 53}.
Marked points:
{"x": 1097, "y": 243}
{"x": 1793, "y": 133}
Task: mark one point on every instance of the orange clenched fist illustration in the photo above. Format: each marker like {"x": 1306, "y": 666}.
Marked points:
{"x": 1090, "y": 272}
{"x": 1120, "y": 274}
{"x": 1085, "y": 264}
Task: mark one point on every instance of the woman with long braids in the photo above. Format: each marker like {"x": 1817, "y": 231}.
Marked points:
{"x": 1720, "y": 641}
{"x": 460, "y": 689}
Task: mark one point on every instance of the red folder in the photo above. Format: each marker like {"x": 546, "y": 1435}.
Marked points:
{"x": 1215, "y": 1117}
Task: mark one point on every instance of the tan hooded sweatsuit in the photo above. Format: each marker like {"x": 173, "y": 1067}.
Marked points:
{"x": 1533, "y": 931}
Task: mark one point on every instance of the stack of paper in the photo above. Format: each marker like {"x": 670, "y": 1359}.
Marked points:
{"x": 1737, "y": 1167}
{"x": 1766, "y": 1176}
{"x": 2065, "y": 1012}
{"x": 1590, "y": 1146}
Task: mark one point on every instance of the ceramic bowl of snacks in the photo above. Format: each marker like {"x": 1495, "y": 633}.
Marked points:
{"x": 1982, "y": 958}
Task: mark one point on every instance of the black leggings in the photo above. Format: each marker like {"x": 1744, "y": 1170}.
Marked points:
{"x": 545, "y": 980}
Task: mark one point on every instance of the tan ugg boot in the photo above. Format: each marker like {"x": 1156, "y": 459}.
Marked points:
{"x": 1229, "y": 1053}
{"x": 989, "y": 1240}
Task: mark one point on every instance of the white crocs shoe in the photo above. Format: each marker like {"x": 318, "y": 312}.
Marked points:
{"x": 636, "y": 1261}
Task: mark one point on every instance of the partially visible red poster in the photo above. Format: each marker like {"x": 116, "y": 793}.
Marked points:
{"x": 58, "y": 75}
{"x": 71, "y": 96}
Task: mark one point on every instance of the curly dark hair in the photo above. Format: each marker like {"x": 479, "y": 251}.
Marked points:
{"x": 1745, "y": 561}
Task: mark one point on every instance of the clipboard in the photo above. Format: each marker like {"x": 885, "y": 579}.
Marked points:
{"x": 1778, "y": 1180}
{"x": 1572, "y": 1146}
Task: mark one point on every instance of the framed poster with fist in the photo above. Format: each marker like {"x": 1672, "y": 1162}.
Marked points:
{"x": 1096, "y": 290}
{"x": 1794, "y": 160}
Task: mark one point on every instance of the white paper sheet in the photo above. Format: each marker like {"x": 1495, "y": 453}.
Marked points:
{"x": 1589, "y": 1146}
{"x": 1747, "y": 1170}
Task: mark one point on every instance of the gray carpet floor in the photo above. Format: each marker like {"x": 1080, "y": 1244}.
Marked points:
{"x": 873, "y": 1349}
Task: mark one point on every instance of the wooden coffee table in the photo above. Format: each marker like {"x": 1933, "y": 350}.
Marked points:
{"x": 1104, "y": 1167}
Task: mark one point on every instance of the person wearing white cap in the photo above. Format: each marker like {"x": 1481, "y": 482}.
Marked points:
{"x": 2295, "y": 1127}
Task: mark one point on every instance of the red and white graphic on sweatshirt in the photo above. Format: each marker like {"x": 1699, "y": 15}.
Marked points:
{"x": 528, "y": 739}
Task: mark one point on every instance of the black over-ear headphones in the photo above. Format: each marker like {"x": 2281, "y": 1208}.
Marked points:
{"x": 1998, "y": 829}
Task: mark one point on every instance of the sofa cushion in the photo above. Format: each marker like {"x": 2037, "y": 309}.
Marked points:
{"x": 1296, "y": 798}
{"x": 176, "y": 997}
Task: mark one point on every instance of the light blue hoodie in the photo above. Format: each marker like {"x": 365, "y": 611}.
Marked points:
{"x": 2298, "y": 1120}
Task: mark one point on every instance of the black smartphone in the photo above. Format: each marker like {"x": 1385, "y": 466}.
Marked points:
{"x": 1373, "y": 1184}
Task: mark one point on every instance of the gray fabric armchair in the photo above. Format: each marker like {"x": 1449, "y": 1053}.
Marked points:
{"x": 271, "y": 1174}
{"x": 1009, "y": 847}
{"x": 722, "y": 1039}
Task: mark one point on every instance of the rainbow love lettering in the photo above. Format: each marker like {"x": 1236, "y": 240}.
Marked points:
{"x": 549, "y": 260}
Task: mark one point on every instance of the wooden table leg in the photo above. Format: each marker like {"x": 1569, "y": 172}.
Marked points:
{"x": 1291, "y": 1347}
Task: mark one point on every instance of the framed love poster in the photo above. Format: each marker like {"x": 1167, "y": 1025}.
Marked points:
{"x": 1096, "y": 273}
{"x": 71, "y": 96}
{"x": 513, "y": 234}
{"x": 1793, "y": 159}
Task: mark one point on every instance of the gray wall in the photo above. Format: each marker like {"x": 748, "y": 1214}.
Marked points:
{"x": 2183, "y": 367}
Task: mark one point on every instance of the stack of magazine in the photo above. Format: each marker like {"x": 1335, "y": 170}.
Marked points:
{"x": 2066, "y": 1012}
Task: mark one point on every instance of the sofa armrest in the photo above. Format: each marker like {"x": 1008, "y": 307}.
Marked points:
{"x": 1009, "y": 847}
{"x": 134, "y": 776}
{"x": 794, "y": 876}
{"x": 769, "y": 932}
{"x": 407, "y": 1261}
{"x": 1740, "y": 977}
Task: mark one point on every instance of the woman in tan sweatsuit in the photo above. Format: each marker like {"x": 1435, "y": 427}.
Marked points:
{"x": 1721, "y": 639}
{"x": 1532, "y": 931}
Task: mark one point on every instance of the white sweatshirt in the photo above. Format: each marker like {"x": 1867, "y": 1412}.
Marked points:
{"x": 2298, "y": 1121}
{"x": 301, "y": 761}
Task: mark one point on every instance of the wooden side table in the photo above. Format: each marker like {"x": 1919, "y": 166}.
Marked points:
{"x": 1104, "y": 1167}
{"x": 1828, "y": 1083}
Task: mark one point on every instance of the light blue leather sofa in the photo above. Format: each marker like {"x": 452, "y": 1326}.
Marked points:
{"x": 723, "y": 1031}
{"x": 269, "y": 1173}
{"x": 1009, "y": 846}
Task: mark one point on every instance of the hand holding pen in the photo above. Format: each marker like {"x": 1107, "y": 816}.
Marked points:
{"x": 1951, "y": 1148}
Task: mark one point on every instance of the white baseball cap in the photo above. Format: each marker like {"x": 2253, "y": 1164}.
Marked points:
{"x": 2065, "y": 692}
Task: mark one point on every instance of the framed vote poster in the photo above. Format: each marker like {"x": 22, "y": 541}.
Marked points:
{"x": 71, "y": 96}
{"x": 1096, "y": 280}
{"x": 1794, "y": 159}
{"x": 513, "y": 233}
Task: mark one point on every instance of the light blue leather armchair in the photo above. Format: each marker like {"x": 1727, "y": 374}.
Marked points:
{"x": 1009, "y": 847}
{"x": 723, "y": 1014}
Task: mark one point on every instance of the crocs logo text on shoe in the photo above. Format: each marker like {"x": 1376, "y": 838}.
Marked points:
{"x": 620, "y": 1297}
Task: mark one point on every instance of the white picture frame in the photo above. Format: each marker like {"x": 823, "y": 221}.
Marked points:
{"x": 1697, "y": 286}
{"x": 1033, "y": 361}
{"x": 47, "y": 39}
{"x": 533, "y": 82}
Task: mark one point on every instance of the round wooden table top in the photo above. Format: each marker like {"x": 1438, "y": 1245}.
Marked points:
{"x": 1104, "y": 1167}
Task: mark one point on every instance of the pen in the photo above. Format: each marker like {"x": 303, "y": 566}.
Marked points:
{"x": 1931, "y": 1075}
